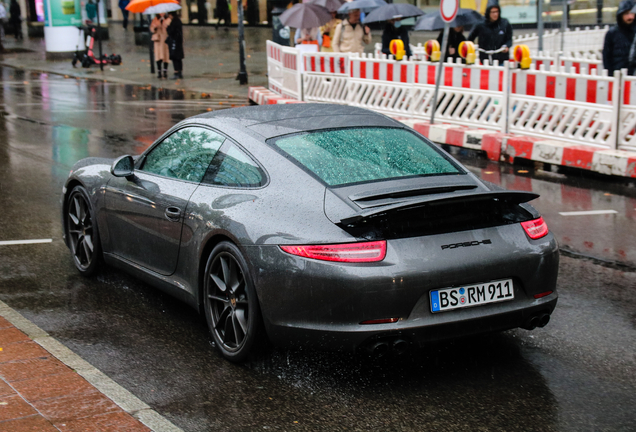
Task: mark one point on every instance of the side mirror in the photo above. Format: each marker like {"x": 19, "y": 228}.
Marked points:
{"x": 123, "y": 166}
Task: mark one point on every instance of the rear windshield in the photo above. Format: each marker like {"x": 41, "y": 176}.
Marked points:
{"x": 353, "y": 155}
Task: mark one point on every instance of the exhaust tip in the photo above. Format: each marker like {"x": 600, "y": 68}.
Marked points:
{"x": 379, "y": 349}
{"x": 532, "y": 323}
{"x": 400, "y": 346}
{"x": 543, "y": 320}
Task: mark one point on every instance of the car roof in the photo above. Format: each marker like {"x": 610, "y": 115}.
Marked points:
{"x": 275, "y": 120}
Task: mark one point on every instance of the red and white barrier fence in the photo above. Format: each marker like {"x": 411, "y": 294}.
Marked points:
{"x": 284, "y": 70}
{"x": 579, "y": 106}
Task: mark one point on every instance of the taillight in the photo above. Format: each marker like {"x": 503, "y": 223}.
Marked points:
{"x": 536, "y": 228}
{"x": 350, "y": 252}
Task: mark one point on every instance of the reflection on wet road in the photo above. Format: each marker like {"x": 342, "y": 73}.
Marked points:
{"x": 578, "y": 373}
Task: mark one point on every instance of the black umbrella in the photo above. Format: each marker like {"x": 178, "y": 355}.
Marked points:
{"x": 434, "y": 21}
{"x": 330, "y": 5}
{"x": 305, "y": 15}
{"x": 393, "y": 11}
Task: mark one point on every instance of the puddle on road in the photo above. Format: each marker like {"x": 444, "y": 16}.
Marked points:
{"x": 48, "y": 114}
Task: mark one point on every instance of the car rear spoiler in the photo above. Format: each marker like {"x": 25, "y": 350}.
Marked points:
{"x": 513, "y": 197}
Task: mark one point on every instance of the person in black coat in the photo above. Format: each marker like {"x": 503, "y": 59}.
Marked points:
{"x": 393, "y": 29}
{"x": 494, "y": 33}
{"x": 16, "y": 19}
{"x": 223, "y": 13}
{"x": 175, "y": 45}
{"x": 618, "y": 40}
{"x": 455, "y": 37}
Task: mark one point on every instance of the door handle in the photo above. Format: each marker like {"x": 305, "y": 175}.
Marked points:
{"x": 173, "y": 213}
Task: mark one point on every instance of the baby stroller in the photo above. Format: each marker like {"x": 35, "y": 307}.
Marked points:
{"x": 86, "y": 58}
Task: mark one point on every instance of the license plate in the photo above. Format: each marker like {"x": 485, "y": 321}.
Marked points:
{"x": 471, "y": 295}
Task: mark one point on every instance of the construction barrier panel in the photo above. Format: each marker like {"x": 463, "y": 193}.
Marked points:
{"x": 284, "y": 71}
{"x": 325, "y": 78}
{"x": 569, "y": 101}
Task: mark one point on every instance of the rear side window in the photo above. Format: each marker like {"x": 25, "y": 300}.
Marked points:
{"x": 356, "y": 155}
{"x": 232, "y": 167}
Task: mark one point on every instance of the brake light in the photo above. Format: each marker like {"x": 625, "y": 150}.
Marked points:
{"x": 543, "y": 294}
{"x": 350, "y": 252}
{"x": 536, "y": 228}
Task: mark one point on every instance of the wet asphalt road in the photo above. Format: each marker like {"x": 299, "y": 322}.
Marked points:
{"x": 578, "y": 373}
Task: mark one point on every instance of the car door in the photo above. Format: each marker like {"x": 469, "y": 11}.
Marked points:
{"x": 146, "y": 211}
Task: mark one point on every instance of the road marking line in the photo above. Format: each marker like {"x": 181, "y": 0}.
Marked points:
{"x": 72, "y": 110}
{"x": 181, "y": 102}
{"x": 22, "y": 242}
{"x": 122, "y": 397}
{"x": 586, "y": 213}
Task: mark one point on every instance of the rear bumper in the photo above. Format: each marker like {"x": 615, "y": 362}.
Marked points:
{"x": 322, "y": 304}
{"x": 355, "y": 338}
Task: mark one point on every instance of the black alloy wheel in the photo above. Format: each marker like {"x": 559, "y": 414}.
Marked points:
{"x": 231, "y": 306}
{"x": 83, "y": 237}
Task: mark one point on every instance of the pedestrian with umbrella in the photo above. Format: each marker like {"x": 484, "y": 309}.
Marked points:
{"x": 455, "y": 37}
{"x": 493, "y": 35}
{"x": 351, "y": 35}
{"x": 307, "y": 18}
{"x": 464, "y": 18}
{"x": 159, "y": 30}
{"x": 151, "y": 7}
{"x": 392, "y": 14}
{"x": 328, "y": 30}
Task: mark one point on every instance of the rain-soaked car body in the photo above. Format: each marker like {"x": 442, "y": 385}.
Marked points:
{"x": 322, "y": 225}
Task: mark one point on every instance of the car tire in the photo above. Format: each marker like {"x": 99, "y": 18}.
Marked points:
{"x": 231, "y": 307}
{"x": 82, "y": 232}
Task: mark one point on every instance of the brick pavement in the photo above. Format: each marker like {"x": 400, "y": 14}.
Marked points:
{"x": 40, "y": 393}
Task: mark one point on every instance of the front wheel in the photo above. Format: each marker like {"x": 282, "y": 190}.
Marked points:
{"x": 231, "y": 306}
{"x": 83, "y": 237}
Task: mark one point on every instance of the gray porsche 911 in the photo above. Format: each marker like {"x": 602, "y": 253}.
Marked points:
{"x": 315, "y": 224}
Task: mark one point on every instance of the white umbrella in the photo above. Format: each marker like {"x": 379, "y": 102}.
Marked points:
{"x": 162, "y": 8}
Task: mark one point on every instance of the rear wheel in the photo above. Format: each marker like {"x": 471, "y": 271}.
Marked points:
{"x": 82, "y": 232}
{"x": 231, "y": 306}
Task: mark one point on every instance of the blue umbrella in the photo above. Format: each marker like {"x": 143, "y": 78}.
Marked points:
{"x": 434, "y": 21}
{"x": 393, "y": 11}
{"x": 363, "y": 5}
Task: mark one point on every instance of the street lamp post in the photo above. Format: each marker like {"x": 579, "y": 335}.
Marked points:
{"x": 99, "y": 40}
{"x": 242, "y": 75}
{"x": 540, "y": 25}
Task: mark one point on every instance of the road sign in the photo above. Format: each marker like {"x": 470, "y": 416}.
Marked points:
{"x": 448, "y": 9}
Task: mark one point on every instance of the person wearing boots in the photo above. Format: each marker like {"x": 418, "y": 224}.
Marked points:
{"x": 175, "y": 45}
{"x": 159, "y": 27}
{"x": 618, "y": 40}
{"x": 495, "y": 32}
